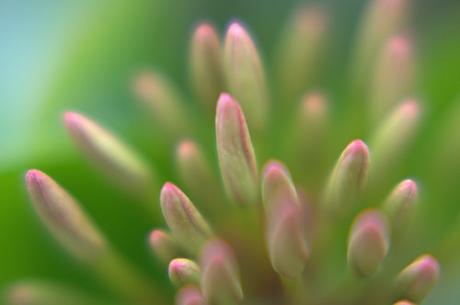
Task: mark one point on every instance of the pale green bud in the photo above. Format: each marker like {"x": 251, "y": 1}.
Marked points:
{"x": 183, "y": 272}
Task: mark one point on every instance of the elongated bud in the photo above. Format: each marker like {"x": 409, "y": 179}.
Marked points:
{"x": 394, "y": 76}
{"x": 163, "y": 245}
{"x": 287, "y": 244}
{"x": 183, "y": 272}
{"x": 113, "y": 158}
{"x": 368, "y": 243}
{"x": 300, "y": 48}
{"x": 195, "y": 171}
{"x": 382, "y": 19}
{"x": 164, "y": 102}
{"x": 236, "y": 155}
{"x": 393, "y": 137}
{"x": 245, "y": 76}
{"x": 348, "y": 176}
{"x": 417, "y": 279}
{"x": 220, "y": 280}
{"x": 206, "y": 65}
{"x": 404, "y": 302}
{"x": 190, "y": 295}
{"x": 186, "y": 223}
{"x": 63, "y": 217}
{"x": 400, "y": 205}
{"x": 41, "y": 293}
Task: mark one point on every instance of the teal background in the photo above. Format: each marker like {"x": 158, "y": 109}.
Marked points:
{"x": 82, "y": 55}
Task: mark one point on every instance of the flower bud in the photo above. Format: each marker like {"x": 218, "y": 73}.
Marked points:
{"x": 196, "y": 172}
{"x": 245, "y": 75}
{"x": 417, "y": 279}
{"x": 220, "y": 280}
{"x": 63, "y": 217}
{"x": 236, "y": 155}
{"x": 206, "y": 65}
{"x": 163, "y": 245}
{"x": 164, "y": 102}
{"x": 115, "y": 159}
{"x": 287, "y": 244}
{"x": 368, "y": 243}
{"x": 404, "y": 303}
{"x": 393, "y": 137}
{"x": 348, "y": 177}
{"x": 400, "y": 205}
{"x": 190, "y": 295}
{"x": 300, "y": 49}
{"x": 183, "y": 272}
{"x": 186, "y": 223}
{"x": 394, "y": 76}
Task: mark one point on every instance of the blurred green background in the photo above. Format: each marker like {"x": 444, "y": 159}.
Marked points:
{"x": 82, "y": 55}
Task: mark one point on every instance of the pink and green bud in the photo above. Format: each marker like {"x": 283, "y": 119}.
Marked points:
{"x": 112, "y": 157}
{"x": 401, "y": 204}
{"x": 184, "y": 272}
{"x": 236, "y": 155}
{"x": 368, "y": 243}
{"x": 186, "y": 223}
{"x": 404, "y": 302}
{"x": 62, "y": 215}
{"x": 347, "y": 178}
{"x": 393, "y": 137}
{"x": 300, "y": 49}
{"x": 394, "y": 76}
{"x": 190, "y": 295}
{"x": 418, "y": 279}
{"x": 163, "y": 245}
{"x": 206, "y": 65}
{"x": 195, "y": 171}
{"x": 164, "y": 101}
{"x": 245, "y": 76}
{"x": 220, "y": 281}
{"x": 287, "y": 243}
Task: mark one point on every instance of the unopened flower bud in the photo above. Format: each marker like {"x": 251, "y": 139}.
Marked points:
{"x": 404, "y": 302}
{"x": 206, "y": 65}
{"x": 220, "y": 280}
{"x": 348, "y": 177}
{"x": 190, "y": 295}
{"x": 287, "y": 244}
{"x": 417, "y": 279}
{"x": 62, "y": 215}
{"x": 183, "y": 272}
{"x": 400, "y": 205}
{"x": 163, "y": 245}
{"x": 186, "y": 223}
{"x": 236, "y": 155}
{"x": 368, "y": 243}
{"x": 112, "y": 157}
{"x": 245, "y": 75}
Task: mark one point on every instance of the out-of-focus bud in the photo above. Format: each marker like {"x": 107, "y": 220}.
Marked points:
{"x": 382, "y": 19}
{"x": 245, "y": 75}
{"x": 236, "y": 155}
{"x": 63, "y": 217}
{"x": 348, "y": 177}
{"x": 115, "y": 159}
{"x": 183, "y": 272}
{"x": 190, "y": 295}
{"x": 220, "y": 280}
{"x": 400, "y": 205}
{"x": 287, "y": 244}
{"x": 206, "y": 65}
{"x": 195, "y": 171}
{"x": 393, "y": 137}
{"x": 163, "y": 246}
{"x": 41, "y": 293}
{"x": 186, "y": 223}
{"x": 300, "y": 47}
{"x": 417, "y": 279}
{"x": 393, "y": 78}
{"x": 368, "y": 243}
{"x": 404, "y": 302}
{"x": 164, "y": 102}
